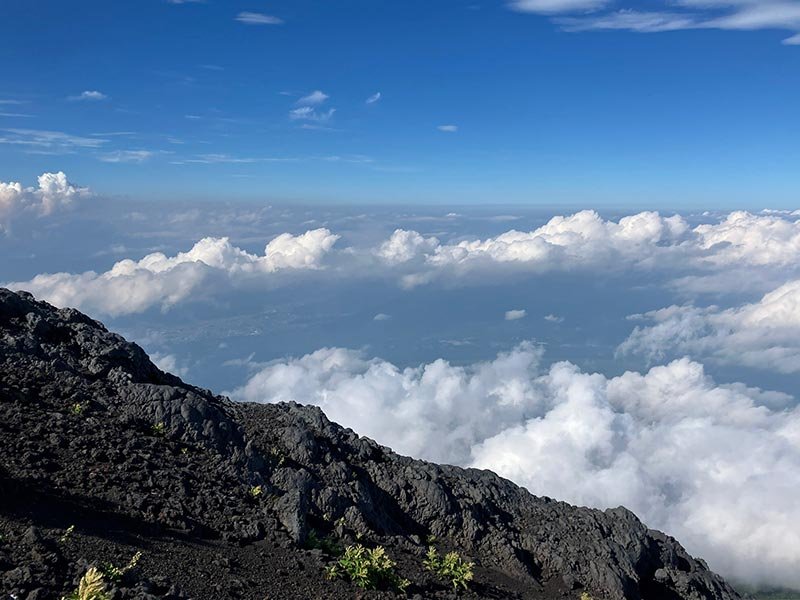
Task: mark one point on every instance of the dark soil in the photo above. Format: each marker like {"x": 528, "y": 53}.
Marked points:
{"x": 228, "y": 500}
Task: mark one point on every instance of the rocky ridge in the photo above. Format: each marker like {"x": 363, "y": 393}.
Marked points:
{"x": 234, "y": 500}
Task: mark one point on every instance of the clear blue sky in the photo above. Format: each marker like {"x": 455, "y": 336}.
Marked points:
{"x": 578, "y": 102}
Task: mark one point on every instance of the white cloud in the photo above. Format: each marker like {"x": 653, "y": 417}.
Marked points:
{"x": 553, "y": 319}
{"x": 158, "y": 280}
{"x": 254, "y": 18}
{"x": 54, "y": 193}
{"x": 448, "y": 128}
{"x": 374, "y": 98}
{"x": 169, "y": 363}
{"x": 515, "y": 315}
{"x": 314, "y": 98}
{"x": 89, "y": 95}
{"x": 40, "y": 140}
{"x": 126, "y": 156}
{"x": 793, "y": 40}
{"x": 308, "y": 113}
{"x": 763, "y": 335}
{"x": 557, "y": 6}
{"x": 381, "y": 317}
{"x": 717, "y": 466}
{"x": 741, "y": 15}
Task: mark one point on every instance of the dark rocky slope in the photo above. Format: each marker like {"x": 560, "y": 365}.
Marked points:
{"x": 93, "y": 435}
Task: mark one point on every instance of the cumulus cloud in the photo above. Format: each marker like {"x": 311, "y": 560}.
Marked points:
{"x": 716, "y": 465}
{"x": 158, "y": 280}
{"x": 515, "y": 315}
{"x": 580, "y": 240}
{"x": 553, "y": 319}
{"x": 742, "y": 247}
{"x": 53, "y": 193}
{"x": 763, "y": 335}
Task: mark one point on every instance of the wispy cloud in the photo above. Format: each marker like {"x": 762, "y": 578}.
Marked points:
{"x": 314, "y": 98}
{"x": 308, "y": 113}
{"x": 374, "y": 98}
{"x": 448, "y": 128}
{"x": 88, "y": 95}
{"x": 53, "y": 141}
{"x": 734, "y": 15}
{"x": 254, "y": 18}
{"x": 209, "y": 159}
{"x": 557, "y": 6}
{"x": 126, "y": 156}
{"x": 13, "y": 114}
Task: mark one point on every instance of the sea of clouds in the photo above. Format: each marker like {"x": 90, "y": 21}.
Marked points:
{"x": 717, "y": 466}
{"x": 714, "y": 461}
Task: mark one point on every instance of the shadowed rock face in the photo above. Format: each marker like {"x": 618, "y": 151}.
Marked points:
{"x": 91, "y": 432}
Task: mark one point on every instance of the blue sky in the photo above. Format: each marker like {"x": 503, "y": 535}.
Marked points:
{"x": 701, "y": 115}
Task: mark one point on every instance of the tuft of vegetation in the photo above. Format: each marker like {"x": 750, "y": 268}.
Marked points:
{"x": 586, "y": 596}
{"x": 451, "y": 567}
{"x": 67, "y": 533}
{"x": 256, "y": 491}
{"x": 114, "y": 573}
{"x": 159, "y": 429}
{"x": 368, "y": 569}
{"x": 78, "y": 409}
{"x": 92, "y": 586}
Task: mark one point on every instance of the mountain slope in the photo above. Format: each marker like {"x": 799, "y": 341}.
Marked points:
{"x": 230, "y": 500}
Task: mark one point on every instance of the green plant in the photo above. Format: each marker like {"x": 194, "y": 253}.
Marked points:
{"x": 368, "y": 569}
{"x": 451, "y": 566}
{"x": 92, "y": 586}
{"x": 114, "y": 573}
{"x": 67, "y": 533}
{"x": 586, "y": 596}
{"x": 256, "y": 491}
{"x": 78, "y": 409}
{"x": 158, "y": 429}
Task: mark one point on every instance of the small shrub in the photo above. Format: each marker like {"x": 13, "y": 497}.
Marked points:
{"x": 256, "y": 491}
{"x": 451, "y": 566}
{"x": 586, "y": 596}
{"x": 367, "y": 569}
{"x": 92, "y": 586}
{"x": 158, "y": 429}
{"x": 67, "y": 533}
{"x": 77, "y": 409}
{"x": 114, "y": 573}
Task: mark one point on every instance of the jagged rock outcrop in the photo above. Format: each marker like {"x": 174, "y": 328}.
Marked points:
{"x": 92, "y": 434}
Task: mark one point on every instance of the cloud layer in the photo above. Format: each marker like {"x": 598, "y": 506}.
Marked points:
{"x": 763, "y": 335}
{"x": 740, "y": 250}
{"x": 718, "y": 466}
